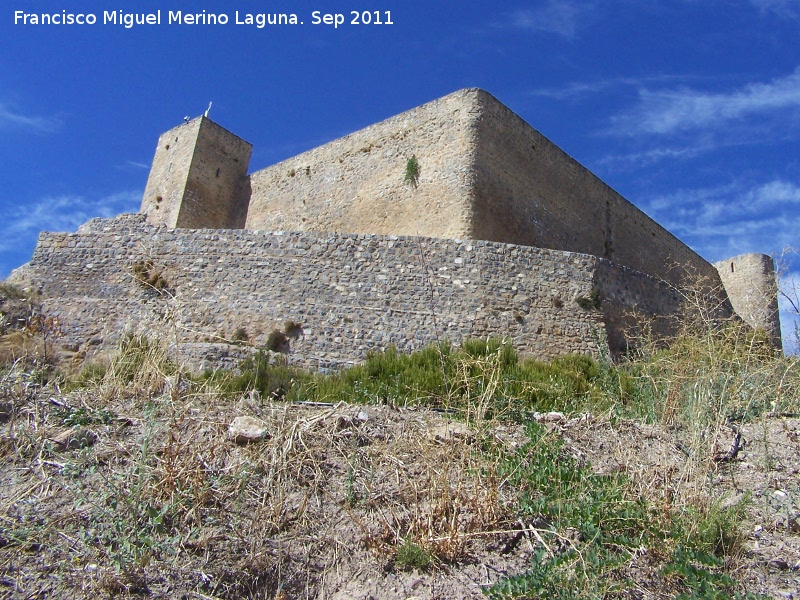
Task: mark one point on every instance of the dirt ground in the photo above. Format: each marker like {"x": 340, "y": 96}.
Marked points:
{"x": 156, "y": 499}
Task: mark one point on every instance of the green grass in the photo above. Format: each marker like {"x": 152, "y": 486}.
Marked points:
{"x": 480, "y": 374}
{"x": 593, "y": 526}
{"x": 412, "y": 556}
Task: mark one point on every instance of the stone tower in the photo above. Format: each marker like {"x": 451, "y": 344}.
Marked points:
{"x": 199, "y": 178}
{"x": 750, "y": 283}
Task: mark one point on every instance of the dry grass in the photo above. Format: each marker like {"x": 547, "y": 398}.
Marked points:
{"x": 164, "y": 488}
{"x": 716, "y": 373}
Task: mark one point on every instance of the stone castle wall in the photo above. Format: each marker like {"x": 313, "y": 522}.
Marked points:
{"x": 351, "y": 293}
{"x": 357, "y": 184}
{"x": 530, "y": 192}
{"x": 485, "y": 174}
{"x": 502, "y": 235}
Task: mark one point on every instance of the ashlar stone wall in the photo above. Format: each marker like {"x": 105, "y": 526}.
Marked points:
{"x": 485, "y": 174}
{"x": 357, "y": 184}
{"x": 529, "y": 191}
{"x": 750, "y": 282}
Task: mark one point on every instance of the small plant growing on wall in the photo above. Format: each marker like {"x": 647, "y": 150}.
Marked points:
{"x": 412, "y": 171}
{"x": 9, "y": 291}
{"x": 593, "y": 302}
{"x": 277, "y": 341}
{"x": 148, "y": 276}
{"x": 293, "y": 329}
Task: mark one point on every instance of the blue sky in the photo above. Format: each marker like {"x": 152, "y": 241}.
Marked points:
{"x": 688, "y": 108}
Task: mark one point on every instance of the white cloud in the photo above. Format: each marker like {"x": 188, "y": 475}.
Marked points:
{"x": 553, "y": 16}
{"x": 789, "y": 9}
{"x": 723, "y": 221}
{"x": 647, "y": 158}
{"x": 590, "y": 89}
{"x": 21, "y": 225}
{"x": 8, "y": 116}
{"x": 665, "y": 112}
{"x": 131, "y": 166}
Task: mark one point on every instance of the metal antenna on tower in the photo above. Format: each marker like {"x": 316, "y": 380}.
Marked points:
{"x": 208, "y": 109}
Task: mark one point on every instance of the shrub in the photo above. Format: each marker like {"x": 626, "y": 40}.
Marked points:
{"x": 293, "y": 328}
{"x": 593, "y": 302}
{"x": 412, "y": 556}
{"x": 11, "y": 292}
{"x": 277, "y": 341}
{"x": 148, "y": 276}
{"x": 412, "y": 171}
{"x": 271, "y": 379}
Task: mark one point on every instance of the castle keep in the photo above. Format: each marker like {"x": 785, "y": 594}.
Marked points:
{"x": 496, "y": 231}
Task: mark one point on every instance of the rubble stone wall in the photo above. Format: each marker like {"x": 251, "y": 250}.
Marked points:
{"x": 351, "y": 294}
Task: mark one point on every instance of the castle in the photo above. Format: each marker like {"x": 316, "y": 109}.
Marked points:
{"x": 455, "y": 219}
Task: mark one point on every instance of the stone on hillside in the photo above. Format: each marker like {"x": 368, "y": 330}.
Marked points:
{"x": 14, "y": 313}
{"x": 452, "y": 431}
{"x": 549, "y": 417}
{"x": 245, "y": 430}
{"x": 74, "y": 438}
{"x": 349, "y": 421}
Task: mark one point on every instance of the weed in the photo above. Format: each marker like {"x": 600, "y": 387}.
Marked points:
{"x": 411, "y": 555}
{"x": 412, "y": 171}
{"x": 293, "y": 329}
{"x": 139, "y": 368}
{"x": 352, "y": 496}
{"x": 148, "y": 276}
{"x": 699, "y": 574}
{"x": 714, "y": 529}
{"x": 270, "y": 377}
{"x": 70, "y": 417}
{"x": 9, "y": 291}
{"x": 277, "y": 341}
{"x": 591, "y": 525}
{"x": 593, "y": 302}
{"x": 90, "y": 374}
